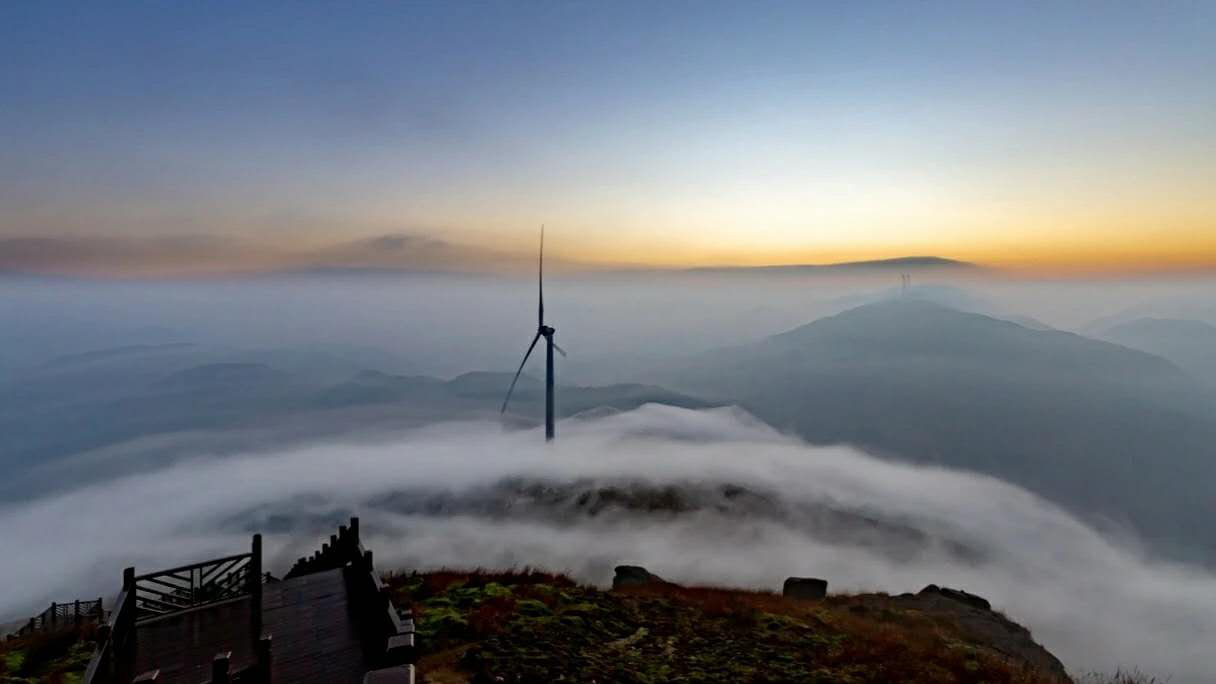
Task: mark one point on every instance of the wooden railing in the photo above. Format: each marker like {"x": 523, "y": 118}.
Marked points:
{"x": 388, "y": 632}
{"x": 342, "y": 549}
{"x": 63, "y": 616}
{"x": 114, "y": 658}
{"x": 199, "y": 584}
{"x": 167, "y": 592}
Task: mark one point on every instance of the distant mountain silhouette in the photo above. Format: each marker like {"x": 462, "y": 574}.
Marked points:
{"x": 1092, "y": 425}
{"x": 1189, "y": 344}
{"x": 223, "y": 376}
{"x": 114, "y": 353}
{"x": 899, "y": 263}
{"x": 484, "y": 390}
{"x": 97, "y": 399}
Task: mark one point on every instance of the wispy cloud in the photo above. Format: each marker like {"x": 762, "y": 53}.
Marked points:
{"x": 203, "y": 255}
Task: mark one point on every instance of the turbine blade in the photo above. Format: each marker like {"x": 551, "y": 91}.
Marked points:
{"x": 521, "y": 369}
{"x": 559, "y": 349}
{"x": 540, "y": 280}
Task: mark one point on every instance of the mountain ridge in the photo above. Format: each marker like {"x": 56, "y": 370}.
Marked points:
{"x": 1109, "y": 432}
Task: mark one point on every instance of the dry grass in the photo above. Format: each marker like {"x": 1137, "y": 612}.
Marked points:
{"x": 525, "y": 624}
{"x": 1120, "y": 677}
{"x": 898, "y": 645}
{"x": 46, "y": 657}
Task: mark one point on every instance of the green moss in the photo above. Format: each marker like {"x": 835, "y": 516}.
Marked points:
{"x": 13, "y": 660}
{"x": 61, "y": 656}
{"x": 532, "y": 608}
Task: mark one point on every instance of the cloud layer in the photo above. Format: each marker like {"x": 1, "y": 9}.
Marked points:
{"x": 470, "y": 494}
{"x": 209, "y": 254}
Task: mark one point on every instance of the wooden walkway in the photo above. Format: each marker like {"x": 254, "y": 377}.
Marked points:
{"x": 330, "y": 620}
{"x": 315, "y": 636}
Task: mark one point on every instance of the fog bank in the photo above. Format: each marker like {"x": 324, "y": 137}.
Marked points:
{"x": 436, "y": 498}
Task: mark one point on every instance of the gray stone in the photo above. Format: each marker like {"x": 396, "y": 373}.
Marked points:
{"x": 400, "y": 650}
{"x": 805, "y": 588}
{"x": 959, "y": 595}
{"x": 402, "y": 674}
{"x": 634, "y": 576}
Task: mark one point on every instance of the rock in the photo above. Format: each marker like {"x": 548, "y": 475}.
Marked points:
{"x": 958, "y": 595}
{"x": 634, "y": 576}
{"x": 805, "y": 588}
{"x": 980, "y": 624}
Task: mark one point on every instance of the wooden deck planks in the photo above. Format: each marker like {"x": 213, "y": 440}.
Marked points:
{"x": 314, "y": 637}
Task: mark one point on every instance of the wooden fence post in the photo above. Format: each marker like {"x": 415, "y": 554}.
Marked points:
{"x": 106, "y": 650}
{"x": 263, "y": 656}
{"x": 219, "y": 667}
{"x": 76, "y": 613}
{"x": 123, "y": 635}
{"x": 255, "y": 586}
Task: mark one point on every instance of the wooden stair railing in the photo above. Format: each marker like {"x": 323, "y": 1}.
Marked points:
{"x": 390, "y": 637}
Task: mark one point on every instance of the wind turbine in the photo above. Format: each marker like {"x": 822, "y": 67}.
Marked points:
{"x": 546, "y": 332}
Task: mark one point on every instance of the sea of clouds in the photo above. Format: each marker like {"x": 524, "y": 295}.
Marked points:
{"x": 1095, "y": 601}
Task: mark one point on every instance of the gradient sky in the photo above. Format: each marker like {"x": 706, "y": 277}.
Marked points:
{"x": 1057, "y": 136}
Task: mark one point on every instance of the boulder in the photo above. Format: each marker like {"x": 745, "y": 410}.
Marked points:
{"x": 805, "y": 588}
{"x": 958, "y": 595}
{"x": 634, "y": 576}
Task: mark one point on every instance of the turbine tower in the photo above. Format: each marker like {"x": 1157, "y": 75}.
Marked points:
{"x": 546, "y": 332}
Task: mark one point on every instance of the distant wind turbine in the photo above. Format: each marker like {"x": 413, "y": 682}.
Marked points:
{"x": 546, "y": 332}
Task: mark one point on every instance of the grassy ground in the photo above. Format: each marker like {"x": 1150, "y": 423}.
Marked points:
{"x": 517, "y": 627}
{"x": 58, "y": 658}
{"x": 535, "y": 627}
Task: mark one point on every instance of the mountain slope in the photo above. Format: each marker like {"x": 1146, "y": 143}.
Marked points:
{"x": 1092, "y": 425}
{"x": 1189, "y": 344}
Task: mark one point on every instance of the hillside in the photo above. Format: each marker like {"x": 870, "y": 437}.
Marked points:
{"x": 1095, "y": 426}
{"x": 535, "y": 627}
{"x": 530, "y": 626}
{"x": 1189, "y": 344}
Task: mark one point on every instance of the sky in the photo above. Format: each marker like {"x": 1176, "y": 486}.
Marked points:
{"x": 164, "y": 137}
